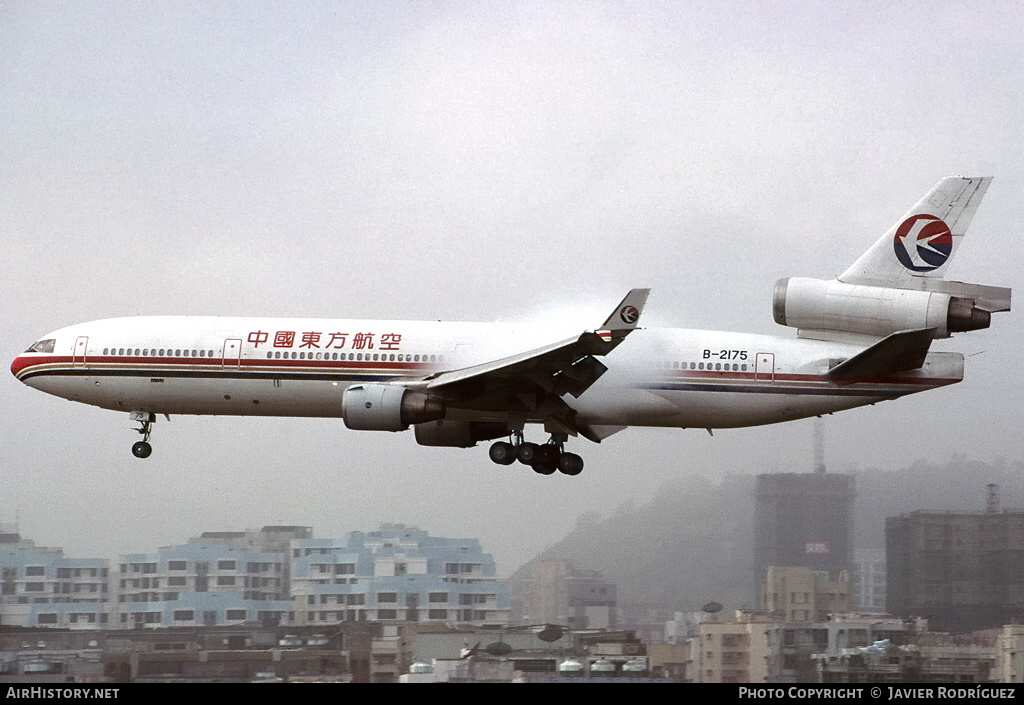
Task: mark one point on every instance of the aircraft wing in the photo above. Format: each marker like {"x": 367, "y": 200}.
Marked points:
{"x": 532, "y": 383}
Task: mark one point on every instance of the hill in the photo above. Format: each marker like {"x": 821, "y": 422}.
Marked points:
{"x": 693, "y": 542}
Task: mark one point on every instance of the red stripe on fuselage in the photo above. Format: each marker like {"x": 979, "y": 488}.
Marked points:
{"x": 23, "y": 362}
{"x": 781, "y": 377}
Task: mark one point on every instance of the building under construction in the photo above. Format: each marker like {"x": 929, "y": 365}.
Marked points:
{"x": 803, "y": 519}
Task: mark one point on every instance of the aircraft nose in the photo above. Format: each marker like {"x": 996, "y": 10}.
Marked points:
{"x": 18, "y": 365}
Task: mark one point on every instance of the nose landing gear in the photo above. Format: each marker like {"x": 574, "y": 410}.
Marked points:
{"x": 544, "y": 459}
{"x": 142, "y": 449}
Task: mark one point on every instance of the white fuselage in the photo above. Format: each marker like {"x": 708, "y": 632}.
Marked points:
{"x": 301, "y": 367}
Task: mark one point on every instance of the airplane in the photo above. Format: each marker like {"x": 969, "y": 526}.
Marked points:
{"x": 861, "y": 339}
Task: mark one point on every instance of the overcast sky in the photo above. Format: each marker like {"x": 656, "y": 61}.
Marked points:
{"x": 476, "y": 161}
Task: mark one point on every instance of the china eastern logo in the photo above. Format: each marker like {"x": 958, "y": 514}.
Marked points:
{"x": 923, "y": 243}
{"x": 629, "y": 314}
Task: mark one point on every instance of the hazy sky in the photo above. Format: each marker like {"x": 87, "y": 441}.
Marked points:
{"x": 475, "y": 161}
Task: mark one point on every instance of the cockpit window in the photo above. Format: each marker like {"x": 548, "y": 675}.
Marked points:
{"x": 43, "y": 346}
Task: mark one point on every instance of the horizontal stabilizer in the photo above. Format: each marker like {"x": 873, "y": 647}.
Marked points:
{"x": 899, "y": 352}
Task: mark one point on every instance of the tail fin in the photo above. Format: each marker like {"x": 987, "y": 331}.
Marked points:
{"x": 923, "y": 241}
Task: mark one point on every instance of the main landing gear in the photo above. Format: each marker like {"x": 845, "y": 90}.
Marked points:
{"x": 544, "y": 459}
{"x": 142, "y": 449}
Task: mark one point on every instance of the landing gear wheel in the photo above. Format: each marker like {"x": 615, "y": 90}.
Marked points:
{"x": 528, "y": 453}
{"x": 141, "y": 449}
{"x": 570, "y": 464}
{"x": 544, "y": 468}
{"x": 503, "y": 453}
{"x": 547, "y": 455}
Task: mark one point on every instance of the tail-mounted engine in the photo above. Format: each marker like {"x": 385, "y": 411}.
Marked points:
{"x": 386, "y": 407}
{"x": 813, "y": 304}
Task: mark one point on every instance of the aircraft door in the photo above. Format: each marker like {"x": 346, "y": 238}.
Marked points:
{"x": 81, "y": 346}
{"x": 232, "y": 352}
{"x": 764, "y": 367}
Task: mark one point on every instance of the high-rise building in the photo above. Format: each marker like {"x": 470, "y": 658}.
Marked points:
{"x": 867, "y": 580}
{"x": 736, "y": 650}
{"x": 799, "y": 594}
{"x": 396, "y": 574}
{"x": 39, "y": 587}
{"x": 803, "y": 519}
{"x": 964, "y": 571}
{"x": 206, "y": 584}
{"x": 555, "y": 592}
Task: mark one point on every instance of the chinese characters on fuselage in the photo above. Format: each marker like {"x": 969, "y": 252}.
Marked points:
{"x": 335, "y": 341}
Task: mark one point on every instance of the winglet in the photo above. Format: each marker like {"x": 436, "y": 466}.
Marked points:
{"x": 627, "y": 314}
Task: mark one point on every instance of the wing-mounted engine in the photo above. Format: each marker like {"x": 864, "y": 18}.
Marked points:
{"x": 388, "y": 407}
{"x": 816, "y": 305}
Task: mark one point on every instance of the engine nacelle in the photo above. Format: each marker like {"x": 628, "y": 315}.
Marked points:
{"x": 813, "y": 304}
{"x": 387, "y": 407}
{"x": 458, "y": 434}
